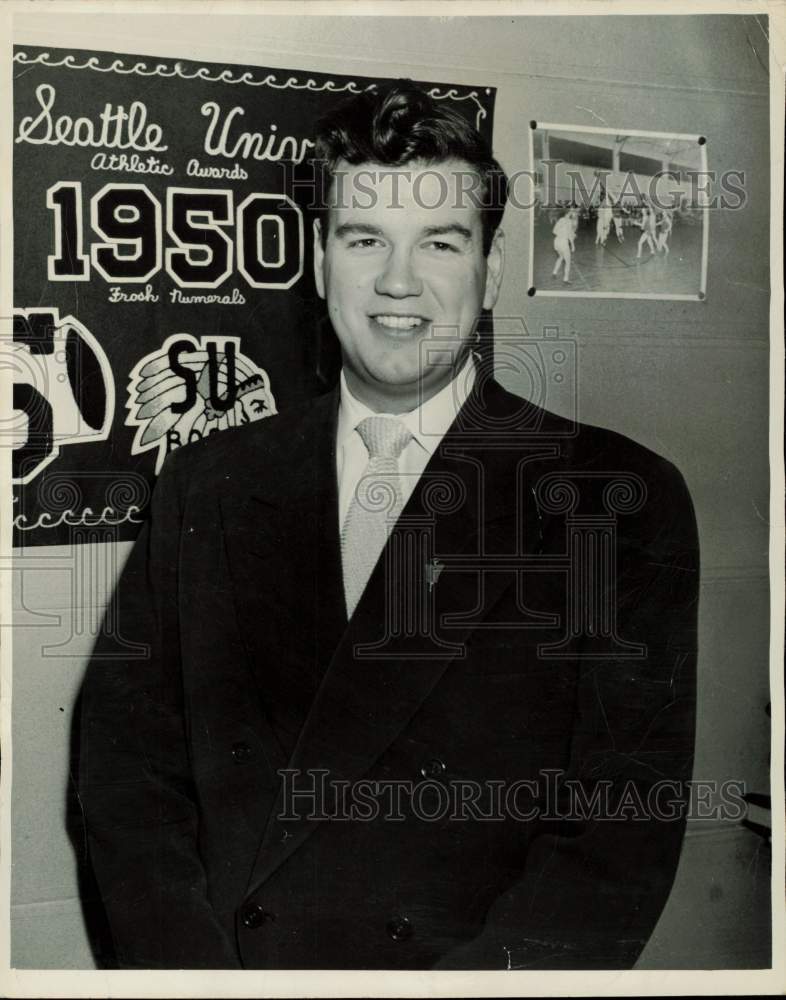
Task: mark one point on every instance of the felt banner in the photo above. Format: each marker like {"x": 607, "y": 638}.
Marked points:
{"x": 162, "y": 269}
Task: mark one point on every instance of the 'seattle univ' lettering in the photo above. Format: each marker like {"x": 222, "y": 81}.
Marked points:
{"x": 115, "y": 127}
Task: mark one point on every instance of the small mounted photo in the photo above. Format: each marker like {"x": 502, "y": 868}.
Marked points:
{"x": 618, "y": 214}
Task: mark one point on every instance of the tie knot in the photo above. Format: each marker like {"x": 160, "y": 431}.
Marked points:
{"x": 384, "y": 437}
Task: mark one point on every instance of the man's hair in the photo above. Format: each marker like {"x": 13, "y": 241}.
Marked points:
{"x": 400, "y": 124}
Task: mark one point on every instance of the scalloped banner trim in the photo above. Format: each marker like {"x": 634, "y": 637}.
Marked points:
{"x": 109, "y": 517}
{"x": 226, "y": 76}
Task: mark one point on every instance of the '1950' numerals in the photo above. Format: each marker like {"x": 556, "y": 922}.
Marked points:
{"x": 127, "y": 221}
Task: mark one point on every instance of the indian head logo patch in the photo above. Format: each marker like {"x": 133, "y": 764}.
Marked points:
{"x": 192, "y": 388}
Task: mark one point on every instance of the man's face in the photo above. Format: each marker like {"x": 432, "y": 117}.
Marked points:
{"x": 405, "y": 278}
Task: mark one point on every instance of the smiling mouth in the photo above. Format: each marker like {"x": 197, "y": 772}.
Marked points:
{"x": 396, "y": 323}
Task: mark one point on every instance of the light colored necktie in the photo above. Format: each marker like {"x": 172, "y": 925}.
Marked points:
{"x": 376, "y": 504}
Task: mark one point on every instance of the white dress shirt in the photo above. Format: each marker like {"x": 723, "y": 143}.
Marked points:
{"x": 427, "y": 424}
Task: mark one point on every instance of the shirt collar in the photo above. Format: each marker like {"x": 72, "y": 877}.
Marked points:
{"x": 427, "y": 423}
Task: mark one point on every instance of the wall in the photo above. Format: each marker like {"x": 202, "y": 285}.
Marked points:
{"x": 687, "y": 379}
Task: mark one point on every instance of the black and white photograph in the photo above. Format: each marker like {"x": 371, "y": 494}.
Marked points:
{"x": 620, "y": 213}
{"x": 392, "y": 500}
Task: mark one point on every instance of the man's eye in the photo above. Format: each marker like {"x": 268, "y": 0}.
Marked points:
{"x": 365, "y": 243}
{"x": 441, "y": 246}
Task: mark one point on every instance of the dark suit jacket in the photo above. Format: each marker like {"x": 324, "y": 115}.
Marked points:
{"x": 556, "y": 645}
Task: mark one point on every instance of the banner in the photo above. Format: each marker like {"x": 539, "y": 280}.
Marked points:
{"x": 162, "y": 269}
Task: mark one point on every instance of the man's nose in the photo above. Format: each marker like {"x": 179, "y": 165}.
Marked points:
{"x": 398, "y": 278}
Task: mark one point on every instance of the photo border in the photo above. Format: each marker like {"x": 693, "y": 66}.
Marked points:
{"x": 534, "y": 291}
{"x": 676, "y": 982}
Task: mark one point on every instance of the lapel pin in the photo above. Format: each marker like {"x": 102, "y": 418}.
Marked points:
{"x": 433, "y": 570}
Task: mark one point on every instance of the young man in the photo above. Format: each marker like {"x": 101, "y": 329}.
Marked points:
{"x": 421, "y": 655}
{"x": 618, "y": 225}
{"x": 648, "y": 230}
{"x": 564, "y": 233}
{"x": 603, "y": 224}
{"x": 665, "y": 224}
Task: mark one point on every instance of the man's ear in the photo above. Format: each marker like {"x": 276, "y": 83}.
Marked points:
{"x": 319, "y": 259}
{"x": 495, "y": 265}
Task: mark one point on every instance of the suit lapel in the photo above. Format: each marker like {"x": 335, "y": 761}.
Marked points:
{"x": 397, "y": 645}
{"x": 331, "y": 612}
{"x": 280, "y": 526}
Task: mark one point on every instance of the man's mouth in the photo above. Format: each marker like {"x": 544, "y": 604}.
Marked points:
{"x": 394, "y": 321}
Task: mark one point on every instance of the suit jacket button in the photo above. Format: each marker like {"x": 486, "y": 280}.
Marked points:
{"x": 242, "y": 753}
{"x": 399, "y": 928}
{"x": 433, "y": 768}
{"x": 253, "y": 915}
